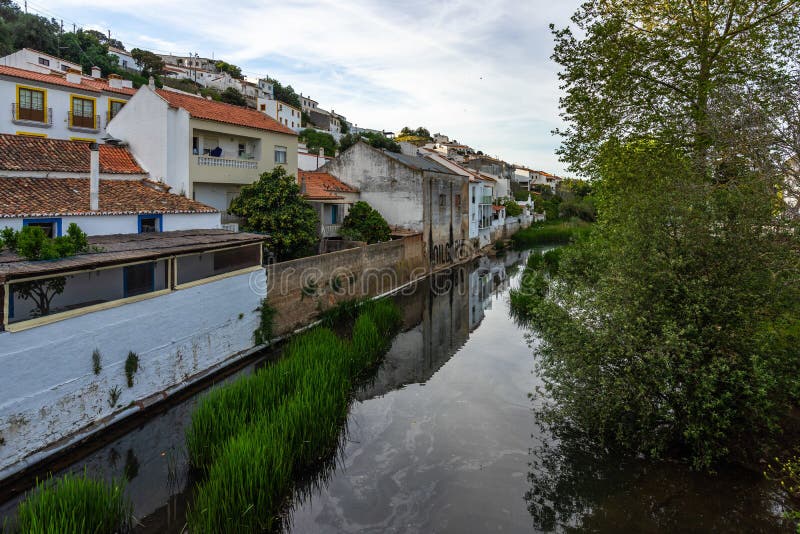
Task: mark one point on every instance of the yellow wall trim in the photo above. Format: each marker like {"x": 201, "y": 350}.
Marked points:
{"x": 44, "y": 99}
{"x": 72, "y": 99}
{"x": 32, "y": 134}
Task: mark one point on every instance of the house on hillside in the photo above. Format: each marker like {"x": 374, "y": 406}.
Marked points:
{"x": 203, "y": 149}
{"x": 285, "y": 114}
{"x": 498, "y": 170}
{"x": 35, "y": 61}
{"x": 48, "y": 183}
{"x": 413, "y": 194}
{"x": 331, "y": 198}
{"x": 68, "y": 105}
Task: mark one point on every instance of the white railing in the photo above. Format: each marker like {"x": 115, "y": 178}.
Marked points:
{"x": 210, "y": 161}
{"x": 331, "y": 230}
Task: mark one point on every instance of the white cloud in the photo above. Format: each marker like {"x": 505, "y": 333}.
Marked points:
{"x": 476, "y": 70}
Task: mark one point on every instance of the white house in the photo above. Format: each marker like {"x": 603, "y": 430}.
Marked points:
{"x": 203, "y": 149}
{"x": 61, "y": 106}
{"x": 285, "y": 114}
{"x": 330, "y": 197}
{"x": 308, "y": 161}
{"x": 51, "y": 183}
{"x": 35, "y": 61}
{"x": 124, "y": 58}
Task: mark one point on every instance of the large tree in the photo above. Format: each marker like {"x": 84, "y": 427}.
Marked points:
{"x": 150, "y": 63}
{"x": 637, "y": 67}
{"x": 673, "y": 329}
{"x": 273, "y": 205}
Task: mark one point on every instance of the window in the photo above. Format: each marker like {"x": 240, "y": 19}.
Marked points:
{"x": 44, "y": 61}
{"x": 82, "y": 115}
{"x": 280, "y": 154}
{"x": 150, "y": 223}
{"x": 31, "y": 104}
{"x": 263, "y": 107}
{"x": 139, "y": 279}
{"x": 242, "y": 150}
{"x": 114, "y": 106}
{"x": 442, "y": 201}
{"x": 65, "y": 68}
{"x": 124, "y": 63}
{"x": 51, "y": 227}
{"x": 458, "y": 201}
{"x": 196, "y": 267}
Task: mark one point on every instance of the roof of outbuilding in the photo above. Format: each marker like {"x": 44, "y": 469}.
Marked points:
{"x": 418, "y": 163}
{"x": 317, "y": 185}
{"x": 95, "y": 85}
{"x": 201, "y": 108}
{"x": 27, "y": 153}
{"x": 49, "y": 197}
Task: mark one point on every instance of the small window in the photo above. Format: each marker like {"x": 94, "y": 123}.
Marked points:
{"x": 263, "y": 107}
{"x": 124, "y": 63}
{"x": 149, "y": 224}
{"x": 458, "y": 201}
{"x": 51, "y": 227}
{"x": 242, "y": 150}
{"x": 442, "y": 201}
{"x": 44, "y": 61}
{"x": 280, "y": 154}
{"x": 65, "y": 68}
{"x": 114, "y": 107}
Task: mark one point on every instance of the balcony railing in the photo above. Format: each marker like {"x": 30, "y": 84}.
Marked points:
{"x": 331, "y": 230}
{"x": 33, "y": 117}
{"x": 82, "y": 123}
{"x": 210, "y": 161}
{"x": 486, "y": 199}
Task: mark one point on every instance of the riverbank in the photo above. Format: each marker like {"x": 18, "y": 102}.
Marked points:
{"x": 558, "y": 232}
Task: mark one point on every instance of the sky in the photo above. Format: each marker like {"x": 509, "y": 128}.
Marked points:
{"x": 478, "y": 71}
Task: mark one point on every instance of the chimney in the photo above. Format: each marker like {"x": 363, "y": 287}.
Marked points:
{"x": 74, "y": 76}
{"x": 94, "y": 176}
{"x": 115, "y": 81}
{"x": 96, "y": 72}
{"x": 151, "y": 83}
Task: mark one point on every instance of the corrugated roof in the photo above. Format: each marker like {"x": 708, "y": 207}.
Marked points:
{"x": 201, "y": 108}
{"x": 418, "y": 163}
{"x": 27, "y": 153}
{"x": 57, "y": 197}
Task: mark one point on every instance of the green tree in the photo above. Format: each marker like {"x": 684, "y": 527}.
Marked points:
{"x": 512, "y": 208}
{"x": 233, "y": 70}
{"x": 85, "y": 48}
{"x": 150, "y": 63}
{"x": 364, "y": 223}
{"x": 231, "y": 95}
{"x": 286, "y": 95}
{"x": 648, "y": 67}
{"x": 672, "y": 329}
{"x": 376, "y": 140}
{"x": 273, "y": 205}
{"x": 315, "y": 140}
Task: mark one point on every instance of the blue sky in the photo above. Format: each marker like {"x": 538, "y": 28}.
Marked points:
{"x": 476, "y": 70}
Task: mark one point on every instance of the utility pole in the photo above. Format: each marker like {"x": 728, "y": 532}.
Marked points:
{"x": 26, "y": 7}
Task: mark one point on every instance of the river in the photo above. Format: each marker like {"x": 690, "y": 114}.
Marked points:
{"x": 444, "y": 439}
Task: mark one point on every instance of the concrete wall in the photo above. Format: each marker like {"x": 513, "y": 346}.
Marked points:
{"x": 48, "y": 391}
{"x": 300, "y": 289}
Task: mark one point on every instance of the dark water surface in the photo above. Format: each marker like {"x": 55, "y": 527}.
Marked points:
{"x": 444, "y": 440}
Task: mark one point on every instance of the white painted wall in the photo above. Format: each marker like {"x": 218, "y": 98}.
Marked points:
{"x": 29, "y": 60}
{"x": 48, "y": 391}
{"x": 127, "y": 224}
{"x": 311, "y": 162}
{"x": 58, "y": 99}
{"x": 283, "y": 113}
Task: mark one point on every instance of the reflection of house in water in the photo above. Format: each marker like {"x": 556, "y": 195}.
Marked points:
{"x": 438, "y": 316}
{"x": 487, "y": 278}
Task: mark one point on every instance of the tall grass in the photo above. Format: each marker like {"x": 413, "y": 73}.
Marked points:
{"x": 256, "y": 435}
{"x": 550, "y": 233}
{"x": 75, "y": 504}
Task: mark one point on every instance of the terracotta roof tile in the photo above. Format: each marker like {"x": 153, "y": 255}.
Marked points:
{"x": 95, "y": 85}
{"x": 25, "y": 153}
{"x": 322, "y": 185}
{"x": 47, "y": 197}
{"x": 201, "y": 108}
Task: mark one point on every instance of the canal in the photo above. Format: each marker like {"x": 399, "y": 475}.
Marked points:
{"x": 444, "y": 439}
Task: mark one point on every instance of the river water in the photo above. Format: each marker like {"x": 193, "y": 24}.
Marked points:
{"x": 444, "y": 439}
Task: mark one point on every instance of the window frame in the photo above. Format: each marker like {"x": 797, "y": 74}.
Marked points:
{"x": 285, "y": 155}
{"x": 52, "y": 220}
{"x": 159, "y": 217}
{"x": 43, "y": 61}
{"x": 111, "y": 102}
{"x": 41, "y": 90}
{"x": 93, "y": 100}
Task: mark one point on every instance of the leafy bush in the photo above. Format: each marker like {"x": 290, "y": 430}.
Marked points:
{"x": 549, "y": 233}
{"x": 512, "y": 208}
{"x": 364, "y": 223}
{"x": 32, "y": 243}
{"x": 315, "y": 140}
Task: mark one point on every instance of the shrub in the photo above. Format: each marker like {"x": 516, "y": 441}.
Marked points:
{"x": 131, "y": 367}
{"x": 364, "y": 223}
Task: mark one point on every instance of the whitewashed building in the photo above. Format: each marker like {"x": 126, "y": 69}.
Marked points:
{"x": 61, "y": 106}
{"x": 285, "y": 114}
{"x": 35, "y": 61}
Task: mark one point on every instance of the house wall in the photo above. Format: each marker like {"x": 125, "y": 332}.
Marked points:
{"x": 29, "y": 60}
{"x": 281, "y": 112}
{"x": 49, "y": 393}
{"x": 127, "y": 224}
{"x": 57, "y": 99}
{"x": 310, "y": 162}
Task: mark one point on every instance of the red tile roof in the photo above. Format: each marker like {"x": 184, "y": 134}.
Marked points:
{"x": 322, "y": 186}
{"x": 26, "y": 153}
{"x": 201, "y": 108}
{"x": 48, "y": 197}
{"x": 94, "y": 85}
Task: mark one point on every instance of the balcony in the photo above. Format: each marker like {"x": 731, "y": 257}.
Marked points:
{"x": 330, "y": 230}
{"x": 486, "y": 199}
{"x": 81, "y": 123}
{"x": 43, "y": 118}
{"x": 211, "y": 161}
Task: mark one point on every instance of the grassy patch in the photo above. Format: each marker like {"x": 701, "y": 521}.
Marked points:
{"x": 254, "y": 436}
{"x": 74, "y": 504}
{"x": 550, "y": 233}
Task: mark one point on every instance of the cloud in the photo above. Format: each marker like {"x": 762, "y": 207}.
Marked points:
{"x": 477, "y": 70}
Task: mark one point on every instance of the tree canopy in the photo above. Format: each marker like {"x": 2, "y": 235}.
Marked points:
{"x": 285, "y": 94}
{"x": 150, "y": 63}
{"x": 231, "y": 95}
{"x": 233, "y": 70}
{"x": 273, "y": 205}
{"x": 375, "y": 139}
{"x": 365, "y": 223}
{"x": 315, "y": 140}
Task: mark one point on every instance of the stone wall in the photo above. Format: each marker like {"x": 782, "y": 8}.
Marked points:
{"x": 300, "y": 289}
